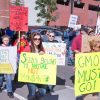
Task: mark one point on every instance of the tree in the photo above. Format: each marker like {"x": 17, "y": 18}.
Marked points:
{"x": 46, "y": 9}
{"x": 17, "y": 2}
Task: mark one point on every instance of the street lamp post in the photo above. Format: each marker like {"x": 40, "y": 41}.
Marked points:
{"x": 72, "y": 6}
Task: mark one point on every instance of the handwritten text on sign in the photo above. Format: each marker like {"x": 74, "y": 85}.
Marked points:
{"x": 8, "y": 60}
{"x": 35, "y": 68}
{"x": 87, "y": 73}
{"x": 72, "y": 21}
{"x": 19, "y": 18}
{"x": 58, "y": 49}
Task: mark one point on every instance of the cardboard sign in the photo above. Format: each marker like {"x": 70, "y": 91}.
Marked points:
{"x": 58, "y": 49}
{"x": 87, "y": 73}
{"x": 8, "y": 60}
{"x": 72, "y": 21}
{"x": 98, "y": 26}
{"x": 19, "y": 18}
{"x": 35, "y": 68}
{"x": 90, "y": 43}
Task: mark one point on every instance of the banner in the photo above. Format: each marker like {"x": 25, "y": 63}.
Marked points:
{"x": 58, "y": 49}
{"x": 8, "y": 60}
{"x": 19, "y": 18}
{"x": 87, "y": 73}
{"x": 35, "y": 68}
{"x": 72, "y": 21}
{"x": 98, "y": 26}
{"x": 90, "y": 43}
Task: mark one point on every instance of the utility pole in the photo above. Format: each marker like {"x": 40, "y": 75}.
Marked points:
{"x": 71, "y": 6}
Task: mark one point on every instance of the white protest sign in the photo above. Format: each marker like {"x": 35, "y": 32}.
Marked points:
{"x": 77, "y": 27}
{"x": 8, "y": 59}
{"x": 58, "y": 49}
{"x": 98, "y": 26}
{"x": 72, "y": 21}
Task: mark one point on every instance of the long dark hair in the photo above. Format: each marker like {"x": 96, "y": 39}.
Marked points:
{"x": 40, "y": 46}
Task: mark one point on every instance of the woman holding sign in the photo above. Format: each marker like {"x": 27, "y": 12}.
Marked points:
{"x": 6, "y": 40}
{"x": 36, "y": 47}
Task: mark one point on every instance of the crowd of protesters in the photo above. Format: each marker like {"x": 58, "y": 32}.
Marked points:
{"x": 32, "y": 42}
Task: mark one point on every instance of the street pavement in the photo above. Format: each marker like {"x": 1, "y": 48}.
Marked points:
{"x": 62, "y": 91}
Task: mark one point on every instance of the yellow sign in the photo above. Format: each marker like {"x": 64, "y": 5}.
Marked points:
{"x": 6, "y": 68}
{"x": 35, "y": 68}
{"x": 87, "y": 73}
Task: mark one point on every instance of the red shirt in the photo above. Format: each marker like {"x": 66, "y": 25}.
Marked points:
{"x": 23, "y": 43}
{"x": 77, "y": 43}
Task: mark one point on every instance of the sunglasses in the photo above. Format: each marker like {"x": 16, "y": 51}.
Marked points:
{"x": 51, "y": 36}
{"x": 37, "y": 39}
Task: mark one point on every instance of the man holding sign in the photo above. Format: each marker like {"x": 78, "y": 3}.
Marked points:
{"x": 76, "y": 47}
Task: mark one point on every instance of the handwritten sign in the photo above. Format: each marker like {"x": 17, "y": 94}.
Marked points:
{"x": 58, "y": 49}
{"x": 19, "y": 18}
{"x": 8, "y": 60}
{"x": 72, "y": 21}
{"x": 35, "y": 68}
{"x": 98, "y": 26}
{"x": 87, "y": 73}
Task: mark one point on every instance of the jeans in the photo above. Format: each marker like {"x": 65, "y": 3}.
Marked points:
{"x": 32, "y": 90}
{"x": 8, "y": 81}
{"x": 70, "y": 56}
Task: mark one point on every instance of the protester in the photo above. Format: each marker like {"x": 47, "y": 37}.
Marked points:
{"x": 21, "y": 42}
{"x": 6, "y": 40}
{"x": 36, "y": 47}
{"x": 51, "y": 37}
{"x": 76, "y": 48}
{"x": 71, "y": 35}
{"x": 45, "y": 36}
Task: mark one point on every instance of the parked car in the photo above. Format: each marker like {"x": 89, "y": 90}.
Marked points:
{"x": 58, "y": 33}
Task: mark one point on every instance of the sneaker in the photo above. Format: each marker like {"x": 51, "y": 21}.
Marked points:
{"x": 10, "y": 94}
{"x": 38, "y": 96}
{"x": 0, "y": 89}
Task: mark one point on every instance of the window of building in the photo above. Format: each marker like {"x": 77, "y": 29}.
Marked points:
{"x": 94, "y": 8}
{"x": 80, "y": 5}
{"x": 96, "y": 0}
{"x": 62, "y": 2}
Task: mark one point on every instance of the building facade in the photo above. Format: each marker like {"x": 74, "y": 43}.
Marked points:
{"x": 4, "y": 13}
{"x": 87, "y": 12}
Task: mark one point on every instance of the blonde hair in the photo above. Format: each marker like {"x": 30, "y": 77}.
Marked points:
{"x": 5, "y": 36}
